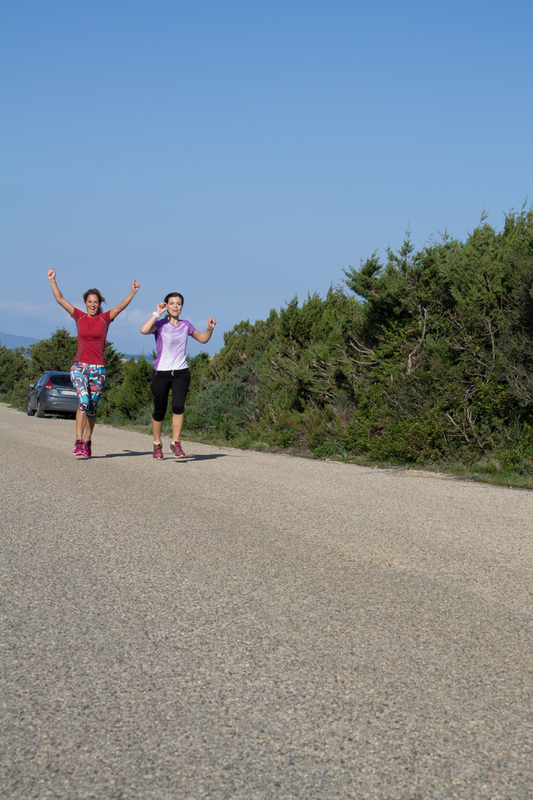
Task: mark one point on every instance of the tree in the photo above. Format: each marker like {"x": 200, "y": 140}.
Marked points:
{"x": 13, "y": 367}
{"x": 56, "y": 353}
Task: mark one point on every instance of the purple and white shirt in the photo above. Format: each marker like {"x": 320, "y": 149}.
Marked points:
{"x": 171, "y": 344}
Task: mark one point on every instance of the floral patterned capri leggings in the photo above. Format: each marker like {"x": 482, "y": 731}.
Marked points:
{"x": 88, "y": 380}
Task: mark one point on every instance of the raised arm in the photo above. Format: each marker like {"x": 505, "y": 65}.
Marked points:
{"x": 127, "y": 300}
{"x": 149, "y": 325}
{"x": 51, "y": 274}
{"x": 206, "y": 335}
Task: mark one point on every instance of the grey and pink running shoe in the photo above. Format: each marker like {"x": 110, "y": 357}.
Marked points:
{"x": 78, "y": 448}
{"x": 87, "y": 453}
{"x": 158, "y": 450}
{"x": 176, "y": 449}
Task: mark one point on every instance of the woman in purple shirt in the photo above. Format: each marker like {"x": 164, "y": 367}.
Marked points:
{"x": 171, "y": 370}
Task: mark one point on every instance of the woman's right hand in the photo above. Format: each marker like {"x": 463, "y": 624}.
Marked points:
{"x": 51, "y": 274}
{"x": 161, "y": 307}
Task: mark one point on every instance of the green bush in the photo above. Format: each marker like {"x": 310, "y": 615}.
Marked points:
{"x": 132, "y": 394}
{"x": 13, "y": 368}
{"x": 226, "y": 407}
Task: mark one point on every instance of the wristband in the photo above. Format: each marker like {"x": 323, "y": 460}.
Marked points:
{"x": 156, "y": 314}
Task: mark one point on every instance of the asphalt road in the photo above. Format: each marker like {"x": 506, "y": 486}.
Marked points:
{"x": 251, "y": 626}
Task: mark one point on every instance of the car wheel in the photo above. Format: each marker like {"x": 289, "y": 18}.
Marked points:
{"x": 40, "y": 409}
{"x": 29, "y": 411}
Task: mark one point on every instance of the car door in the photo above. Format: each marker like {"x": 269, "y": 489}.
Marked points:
{"x": 34, "y": 393}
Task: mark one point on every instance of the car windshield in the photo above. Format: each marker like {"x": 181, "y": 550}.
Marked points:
{"x": 60, "y": 380}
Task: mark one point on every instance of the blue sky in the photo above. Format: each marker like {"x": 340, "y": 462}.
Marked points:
{"x": 243, "y": 153}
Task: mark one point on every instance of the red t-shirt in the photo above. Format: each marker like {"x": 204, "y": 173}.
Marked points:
{"x": 92, "y": 333}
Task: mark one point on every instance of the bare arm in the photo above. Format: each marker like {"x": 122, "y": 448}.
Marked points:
{"x": 127, "y": 300}
{"x": 206, "y": 335}
{"x": 149, "y": 325}
{"x": 51, "y": 274}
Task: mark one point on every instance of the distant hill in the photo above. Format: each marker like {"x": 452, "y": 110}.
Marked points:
{"x": 11, "y": 342}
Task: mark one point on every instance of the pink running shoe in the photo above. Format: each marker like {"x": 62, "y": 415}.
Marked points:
{"x": 87, "y": 450}
{"x": 158, "y": 450}
{"x": 175, "y": 447}
{"x": 78, "y": 448}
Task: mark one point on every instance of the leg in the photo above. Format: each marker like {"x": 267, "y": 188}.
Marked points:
{"x": 84, "y": 426}
{"x": 180, "y": 387}
{"x": 91, "y": 422}
{"x": 96, "y": 384}
{"x": 177, "y": 426}
{"x": 81, "y": 422}
{"x": 160, "y": 387}
{"x": 79, "y": 374}
{"x": 157, "y": 427}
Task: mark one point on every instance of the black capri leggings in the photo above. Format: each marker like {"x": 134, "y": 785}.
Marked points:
{"x": 162, "y": 382}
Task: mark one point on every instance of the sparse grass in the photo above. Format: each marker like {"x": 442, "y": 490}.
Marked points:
{"x": 486, "y": 474}
{"x": 487, "y": 470}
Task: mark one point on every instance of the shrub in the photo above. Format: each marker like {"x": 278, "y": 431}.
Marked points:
{"x": 13, "y": 368}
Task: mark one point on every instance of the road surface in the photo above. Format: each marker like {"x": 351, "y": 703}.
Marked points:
{"x": 251, "y": 626}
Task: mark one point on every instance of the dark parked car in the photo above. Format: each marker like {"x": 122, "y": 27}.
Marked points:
{"x": 52, "y": 392}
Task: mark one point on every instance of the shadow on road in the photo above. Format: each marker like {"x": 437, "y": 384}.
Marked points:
{"x": 201, "y": 458}
{"x": 145, "y": 453}
{"x": 126, "y": 453}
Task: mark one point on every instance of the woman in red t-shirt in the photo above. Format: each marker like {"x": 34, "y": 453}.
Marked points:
{"x": 88, "y": 370}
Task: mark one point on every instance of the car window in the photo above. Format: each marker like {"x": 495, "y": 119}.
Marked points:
{"x": 60, "y": 380}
